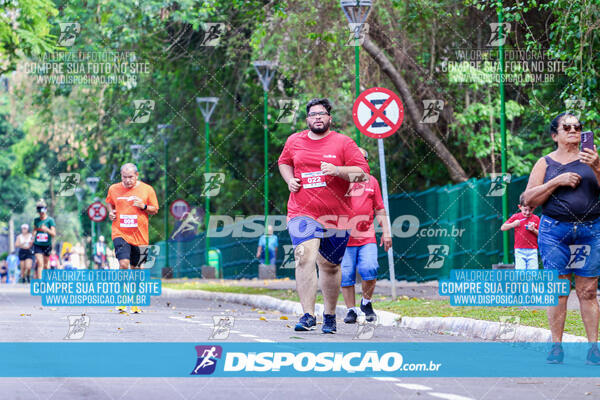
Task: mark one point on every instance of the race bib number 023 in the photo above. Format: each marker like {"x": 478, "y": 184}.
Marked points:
{"x": 313, "y": 179}
{"x": 128, "y": 221}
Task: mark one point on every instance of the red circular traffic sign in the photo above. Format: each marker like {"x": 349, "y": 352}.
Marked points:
{"x": 378, "y": 112}
{"x": 97, "y": 211}
{"x": 179, "y": 208}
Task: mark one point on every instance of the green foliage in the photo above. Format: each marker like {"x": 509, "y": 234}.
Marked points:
{"x": 88, "y": 129}
{"x": 24, "y": 29}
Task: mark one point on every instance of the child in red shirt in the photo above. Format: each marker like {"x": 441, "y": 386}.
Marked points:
{"x": 526, "y": 226}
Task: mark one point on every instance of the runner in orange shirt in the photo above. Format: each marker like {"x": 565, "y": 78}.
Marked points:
{"x": 130, "y": 202}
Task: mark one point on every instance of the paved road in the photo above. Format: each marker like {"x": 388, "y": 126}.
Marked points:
{"x": 186, "y": 320}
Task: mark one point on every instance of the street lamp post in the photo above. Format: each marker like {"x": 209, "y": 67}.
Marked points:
{"x": 162, "y": 127}
{"x": 265, "y": 71}
{"x": 92, "y": 183}
{"x": 136, "y": 151}
{"x": 356, "y": 12}
{"x": 207, "y": 106}
{"x": 79, "y": 192}
{"x": 502, "y": 130}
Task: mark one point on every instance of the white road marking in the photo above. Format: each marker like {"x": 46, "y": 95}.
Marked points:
{"x": 245, "y": 335}
{"x": 385, "y": 379}
{"x": 449, "y": 396}
{"x": 191, "y": 320}
{"x": 413, "y": 386}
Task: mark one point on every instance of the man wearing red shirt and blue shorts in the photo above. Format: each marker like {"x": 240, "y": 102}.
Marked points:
{"x": 361, "y": 252}
{"x": 318, "y": 164}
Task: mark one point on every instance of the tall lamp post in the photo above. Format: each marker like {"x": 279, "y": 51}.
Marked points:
{"x": 79, "y": 193}
{"x": 356, "y": 12}
{"x": 265, "y": 71}
{"x": 168, "y": 127}
{"x": 502, "y": 129}
{"x": 207, "y": 106}
{"x": 136, "y": 151}
{"x": 92, "y": 183}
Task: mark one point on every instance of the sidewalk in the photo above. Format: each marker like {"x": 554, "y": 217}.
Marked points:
{"x": 422, "y": 290}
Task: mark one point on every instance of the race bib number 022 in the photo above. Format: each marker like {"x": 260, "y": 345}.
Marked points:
{"x": 128, "y": 221}
{"x": 313, "y": 179}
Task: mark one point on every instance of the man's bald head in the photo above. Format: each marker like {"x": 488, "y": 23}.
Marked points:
{"x": 129, "y": 175}
{"x": 129, "y": 167}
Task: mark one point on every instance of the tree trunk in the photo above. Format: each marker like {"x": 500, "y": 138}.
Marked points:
{"x": 457, "y": 174}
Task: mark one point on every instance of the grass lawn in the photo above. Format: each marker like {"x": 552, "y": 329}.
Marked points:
{"x": 410, "y": 307}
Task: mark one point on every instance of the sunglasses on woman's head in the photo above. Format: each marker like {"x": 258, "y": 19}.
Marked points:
{"x": 567, "y": 127}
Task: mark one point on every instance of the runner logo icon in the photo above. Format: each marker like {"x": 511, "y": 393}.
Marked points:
{"x": 68, "y": 33}
{"x": 497, "y": 38}
{"x": 207, "y": 359}
{"x": 437, "y": 255}
{"x": 579, "y": 254}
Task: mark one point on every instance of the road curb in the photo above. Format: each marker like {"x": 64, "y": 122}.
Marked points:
{"x": 459, "y": 326}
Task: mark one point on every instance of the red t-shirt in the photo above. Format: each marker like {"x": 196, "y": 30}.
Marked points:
{"x": 365, "y": 198}
{"x": 321, "y": 195}
{"x": 525, "y": 239}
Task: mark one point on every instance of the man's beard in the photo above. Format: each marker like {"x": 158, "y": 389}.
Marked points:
{"x": 320, "y": 130}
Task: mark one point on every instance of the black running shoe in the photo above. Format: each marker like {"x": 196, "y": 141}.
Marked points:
{"x": 593, "y": 356}
{"x": 370, "y": 315}
{"x": 556, "y": 354}
{"x": 307, "y": 323}
{"x": 329, "y": 324}
{"x": 351, "y": 317}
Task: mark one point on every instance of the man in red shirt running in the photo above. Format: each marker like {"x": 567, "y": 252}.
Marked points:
{"x": 361, "y": 252}
{"x": 317, "y": 164}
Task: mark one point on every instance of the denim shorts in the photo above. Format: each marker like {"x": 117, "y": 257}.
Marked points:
{"x": 333, "y": 241}
{"x": 362, "y": 258}
{"x": 570, "y": 247}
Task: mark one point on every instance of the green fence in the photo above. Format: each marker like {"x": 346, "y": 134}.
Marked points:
{"x": 460, "y": 223}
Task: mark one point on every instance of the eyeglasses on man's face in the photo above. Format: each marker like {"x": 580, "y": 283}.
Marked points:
{"x": 317, "y": 114}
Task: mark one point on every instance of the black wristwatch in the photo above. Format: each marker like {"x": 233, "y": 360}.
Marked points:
{"x": 145, "y": 206}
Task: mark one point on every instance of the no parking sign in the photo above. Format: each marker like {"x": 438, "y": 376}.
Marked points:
{"x": 97, "y": 211}
{"x": 378, "y": 112}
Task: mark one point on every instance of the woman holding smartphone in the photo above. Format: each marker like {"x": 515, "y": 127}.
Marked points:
{"x": 565, "y": 184}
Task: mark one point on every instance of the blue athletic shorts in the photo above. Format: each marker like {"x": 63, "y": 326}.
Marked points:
{"x": 570, "y": 247}
{"x": 363, "y": 258}
{"x": 333, "y": 241}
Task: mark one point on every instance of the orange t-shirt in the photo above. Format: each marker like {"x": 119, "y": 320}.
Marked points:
{"x": 131, "y": 223}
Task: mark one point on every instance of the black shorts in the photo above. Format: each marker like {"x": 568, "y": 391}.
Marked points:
{"x": 126, "y": 251}
{"x": 45, "y": 250}
{"x": 25, "y": 254}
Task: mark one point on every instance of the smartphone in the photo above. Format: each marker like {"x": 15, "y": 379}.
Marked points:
{"x": 587, "y": 140}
